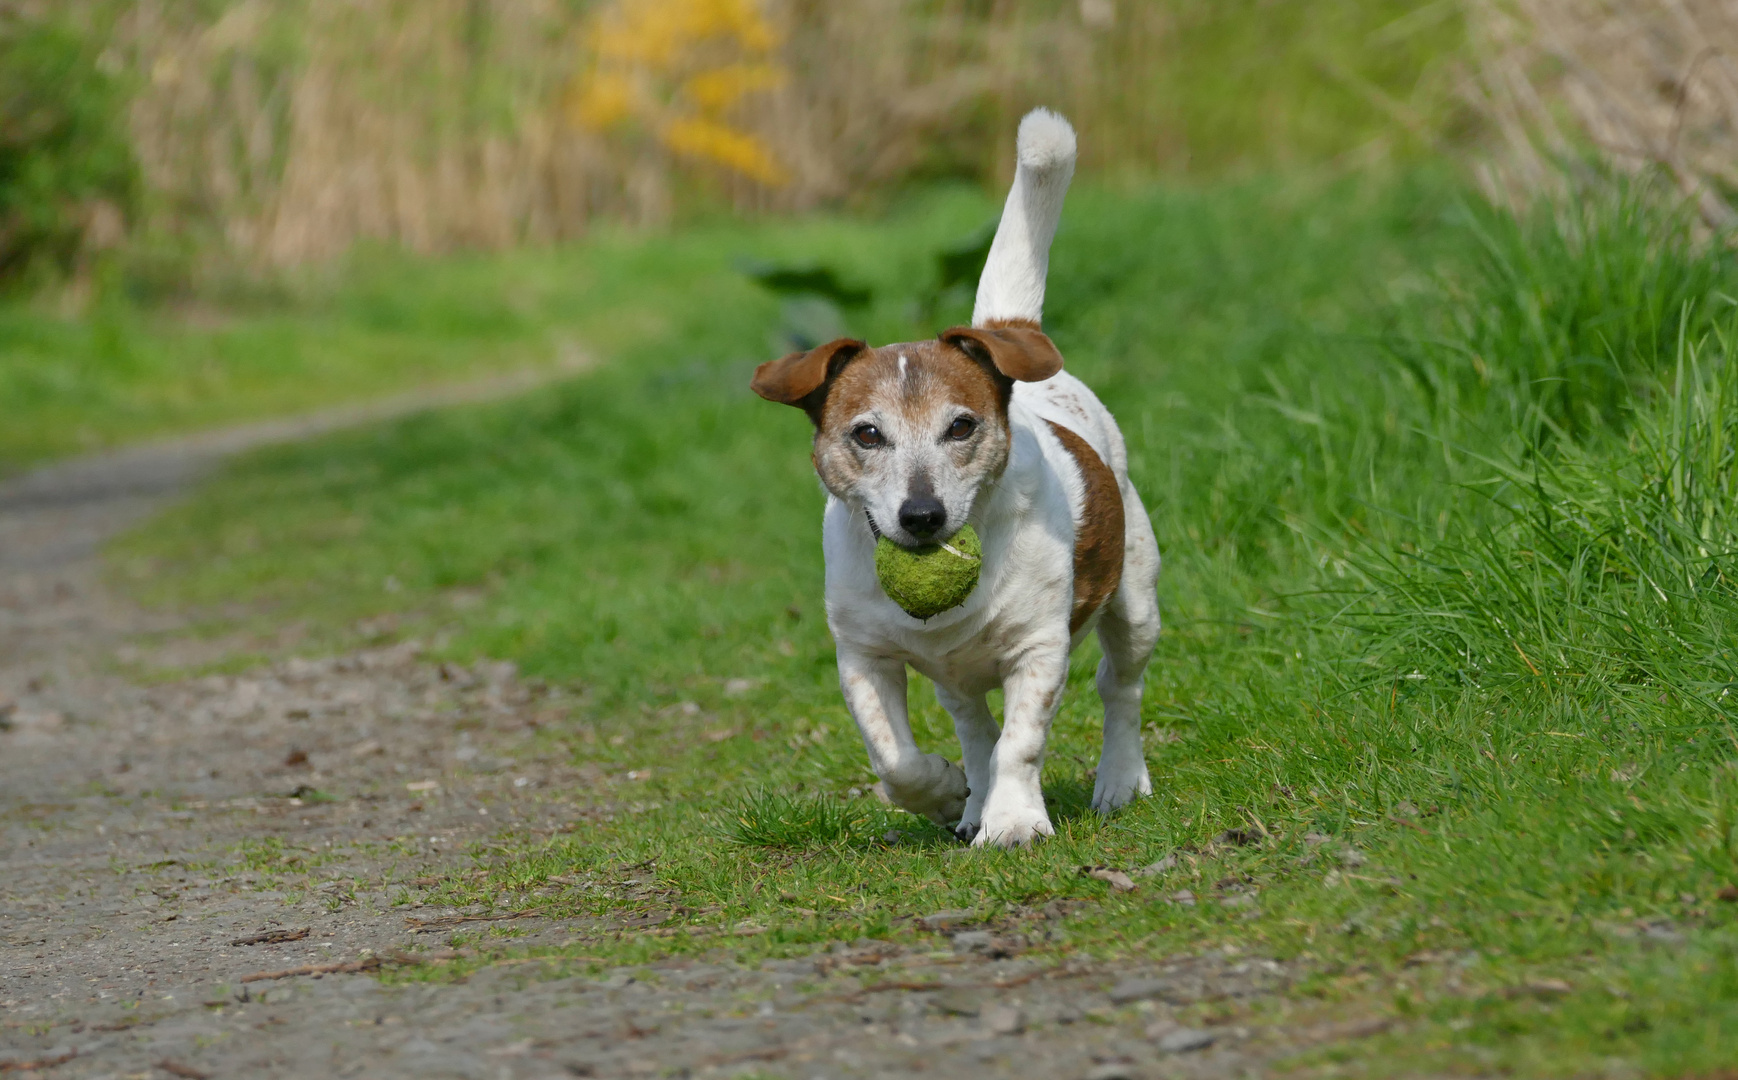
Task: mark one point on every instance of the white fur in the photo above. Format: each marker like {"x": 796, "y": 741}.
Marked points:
{"x": 1012, "y": 284}
{"x": 1012, "y": 632}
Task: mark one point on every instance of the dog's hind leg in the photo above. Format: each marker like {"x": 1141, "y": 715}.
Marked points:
{"x": 978, "y": 733}
{"x": 1127, "y": 632}
{"x": 926, "y": 784}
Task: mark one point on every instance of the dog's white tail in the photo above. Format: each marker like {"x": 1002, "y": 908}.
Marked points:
{"x": 1012, "y": 285}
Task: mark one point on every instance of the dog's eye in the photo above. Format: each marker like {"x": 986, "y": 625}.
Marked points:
{"x": 867, "y": 435}
{"x": 961, "y": 428}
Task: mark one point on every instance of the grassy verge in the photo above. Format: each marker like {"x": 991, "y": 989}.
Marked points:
{"x": 381, "y": 323}
{"x": 1445, "y": 501}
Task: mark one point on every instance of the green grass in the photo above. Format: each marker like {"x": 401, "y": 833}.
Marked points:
{"x": 769, "y": 819}
{"x": 376, "y": 324}
{"x": 1238, "y": 85}
{"x": 1220, "y": 85}
{"x": 1452, "y": 639}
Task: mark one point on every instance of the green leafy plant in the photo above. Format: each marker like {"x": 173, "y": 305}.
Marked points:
{"x": 67, "y": 175}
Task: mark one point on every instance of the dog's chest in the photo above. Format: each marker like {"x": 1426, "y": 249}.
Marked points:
{"x": 968, "y": 648}
{"x": 1023, "y": 596}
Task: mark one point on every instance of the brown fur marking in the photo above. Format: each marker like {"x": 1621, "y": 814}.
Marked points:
{"x": 794, "y": 379}
{"x": 1015, "y": 347}
{"x": 933, "y": 372}
{"x": 1098, "y": 540}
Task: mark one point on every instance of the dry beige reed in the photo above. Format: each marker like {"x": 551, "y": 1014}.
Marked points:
{"x": 1641, "y": 84}
{"x": 285, "y": 131}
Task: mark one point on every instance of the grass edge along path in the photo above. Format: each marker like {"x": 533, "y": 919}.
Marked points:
{"x": 1396, "y": 726}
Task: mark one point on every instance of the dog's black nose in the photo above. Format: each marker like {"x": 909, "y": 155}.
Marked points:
{"x": 922, "y": 518}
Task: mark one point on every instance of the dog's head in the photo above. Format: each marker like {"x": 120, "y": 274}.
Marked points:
{"x": 911, "y": 433}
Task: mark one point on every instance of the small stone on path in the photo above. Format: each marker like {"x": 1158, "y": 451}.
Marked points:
{"x": 1132, "y": 990}
{"x": 958, "y": 1002}
{"x": 974, "y": 941}
{"x": 1002, "y": 1019}
{"x": 1184, "y": 1040}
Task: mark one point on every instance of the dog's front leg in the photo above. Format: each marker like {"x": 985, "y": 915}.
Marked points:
{"x": 926, "y": 784}
{"x": 977, "y": 731}
{"x": 1031, "y": 693}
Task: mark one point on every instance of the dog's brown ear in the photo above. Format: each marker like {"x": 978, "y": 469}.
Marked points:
{"x": 1021, "y": 353}
{"x": 795, "y": 379}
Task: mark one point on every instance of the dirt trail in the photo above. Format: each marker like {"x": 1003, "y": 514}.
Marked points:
{"x": 146, "y": 831}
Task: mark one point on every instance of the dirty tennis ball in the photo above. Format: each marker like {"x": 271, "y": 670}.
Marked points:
{"x": 931, "y": 579}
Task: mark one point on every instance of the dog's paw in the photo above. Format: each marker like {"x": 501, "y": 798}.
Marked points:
{"x": 1013, "y": 828}
{"x": 1115, "y": 788}
{"x": 934, "y": 787}
{"x": 966, "y": 831}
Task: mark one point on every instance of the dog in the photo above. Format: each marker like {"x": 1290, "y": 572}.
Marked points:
{"x": 982, "y": 426}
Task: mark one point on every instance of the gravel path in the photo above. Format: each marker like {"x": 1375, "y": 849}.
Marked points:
{"x": 162, "y": 844}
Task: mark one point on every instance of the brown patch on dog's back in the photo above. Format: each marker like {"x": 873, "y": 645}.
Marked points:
{"x": 1098, "y": 539}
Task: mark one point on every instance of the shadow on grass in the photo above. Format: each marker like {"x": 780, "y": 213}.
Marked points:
{"x": 1068, "y": 799}
{"x": 769, "y": 819}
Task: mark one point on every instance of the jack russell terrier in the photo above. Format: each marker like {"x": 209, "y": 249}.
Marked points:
{"x": 981, "y": 426}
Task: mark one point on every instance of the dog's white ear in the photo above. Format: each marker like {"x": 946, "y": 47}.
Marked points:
{"x": 1019, "y": 350}
{"x": 800, "y": 378}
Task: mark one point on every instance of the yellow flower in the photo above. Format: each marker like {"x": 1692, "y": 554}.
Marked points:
{"x": 718, "y": 89}
{"x": 676, "y": 68}
{"x": 605, "y": 101}
{"x": 722, "y": 145}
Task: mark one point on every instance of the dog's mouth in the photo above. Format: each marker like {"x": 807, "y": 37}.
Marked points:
{"x": 911, "y": 546}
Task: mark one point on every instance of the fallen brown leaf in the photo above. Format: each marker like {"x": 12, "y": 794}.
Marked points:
{"x": 39, "y": 1063}
{"x": 423, "y": 926}
{"x": 1116, "y": 879}
{"x": 1349, "y": 1029}
{"x": 273, "y": 937}
{"x": 1540, "y": 988}
{"x": 1154, "y": 869}
{"x": 370, "y": 963}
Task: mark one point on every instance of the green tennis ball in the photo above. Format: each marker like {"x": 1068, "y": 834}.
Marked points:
{"x": 929, "y": 580}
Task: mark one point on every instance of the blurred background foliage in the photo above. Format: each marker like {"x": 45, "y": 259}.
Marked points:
{"x": 217, "y": 135}
{"x": 199, "y": 139}
{"x": 179, "y": 163}
{"x": 68, "y": 181}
